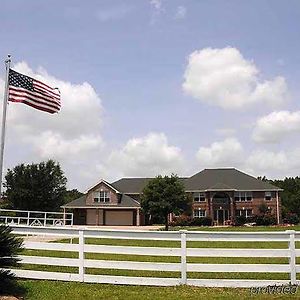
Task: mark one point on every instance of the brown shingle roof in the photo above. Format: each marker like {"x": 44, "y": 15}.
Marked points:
{"x": 217, "y": 179}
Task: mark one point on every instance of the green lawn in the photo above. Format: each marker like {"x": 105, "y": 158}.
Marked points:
{"x": 51, "y": 290}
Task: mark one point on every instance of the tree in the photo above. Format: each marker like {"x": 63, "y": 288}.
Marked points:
{"x": 290, "y": 196}
{"x": 10, "y": 246}
{"x": 71, "y": 195}
{"x": 164, "y": 195}
{"x": 36, "y": 186}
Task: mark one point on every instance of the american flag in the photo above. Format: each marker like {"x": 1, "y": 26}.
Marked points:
{"x": 32, "y": 92}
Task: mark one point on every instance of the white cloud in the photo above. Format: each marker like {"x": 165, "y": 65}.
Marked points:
{"x": 276, "y": 126}
{"x": 180, "y": 12}
{"x": 274, "y": 164}
{"x": 263, "y": 160}
{"x": 223, "y": 77}
{"x": 226, "y": 153}
{"x": 73, "y": 136}
{"x": 147, "y": 156}
{"x": 51, "y": 144}
{"x": 157, "y": 10}
{"x": 156, "y": 4}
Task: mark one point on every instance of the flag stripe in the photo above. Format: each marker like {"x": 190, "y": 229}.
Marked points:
{"x": 44, "y": 84}
{"x": 46, "y": 95}
{"x": 55, "y": 94}
{"x": 19, "y": 98}
{"x": 51, "y": 111}
{"x": 34, "y": 103}
{"x": 23, "y": 92}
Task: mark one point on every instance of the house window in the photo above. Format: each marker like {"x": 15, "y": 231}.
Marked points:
{"x": 199, "y": 197}
{"x": 268, "y": 196}
{"x": 243, "y": 196}
{"x": 102, "y": 196}
{"x": 199, "y": 213}
{"x": 243, "y": 212}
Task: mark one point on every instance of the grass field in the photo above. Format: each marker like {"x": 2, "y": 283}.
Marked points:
{"x": 52, "y": 290}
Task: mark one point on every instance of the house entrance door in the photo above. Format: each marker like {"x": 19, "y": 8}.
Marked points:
{"x": 220, "y": 216}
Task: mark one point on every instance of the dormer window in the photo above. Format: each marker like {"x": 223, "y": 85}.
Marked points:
{"x": 199, "y": 197}
{"x": 102, "y": 197}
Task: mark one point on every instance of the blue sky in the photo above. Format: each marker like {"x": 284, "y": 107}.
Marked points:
{"x": 135, "y": 57}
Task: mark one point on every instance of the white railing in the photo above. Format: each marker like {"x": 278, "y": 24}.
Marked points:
{"x": 183, "y": 252}
{"x": 35, "y": 218}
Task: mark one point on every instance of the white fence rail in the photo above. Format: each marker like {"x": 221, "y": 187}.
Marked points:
{"x": 35, "y": 218}
{"x": 183, "y": 252}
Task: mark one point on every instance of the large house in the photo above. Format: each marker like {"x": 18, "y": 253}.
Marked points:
{"x": 221, "y": 194}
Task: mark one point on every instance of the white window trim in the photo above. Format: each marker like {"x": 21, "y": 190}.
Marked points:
{"x": 246, "y": 210}
{"x": 97, "y": 195}
{"x": 198, "y": 215}
{"x": 198, "y": 196}
{"x": 268, "y": 194}
{"x": 243, "y": 194}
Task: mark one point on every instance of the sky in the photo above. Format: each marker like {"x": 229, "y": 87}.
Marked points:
{"x": 154, "y": 87}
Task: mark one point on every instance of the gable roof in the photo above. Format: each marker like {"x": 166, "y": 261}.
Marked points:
{"x": 226, "y": 179}
{"x": 106, "y": 183}
{"x": 126, "y": 201}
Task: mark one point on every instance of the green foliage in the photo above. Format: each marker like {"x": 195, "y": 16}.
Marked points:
{"x": 71, "y": 195}
{"x": 263, "y": 209}
{"x": 291, "y": 219}
{"x": 182, "y": 220}
{"x": 36, "y": 186}
{"x": 290, "y": 196}
{"x": 264, "y": 220}
{"x": 164, "y": 195}
{"x": 203, "y": 221}
{"x": 10, "y": 246}
{"x": 240, "y": 220}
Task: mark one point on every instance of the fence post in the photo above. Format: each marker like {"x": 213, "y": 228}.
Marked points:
{"x": 183, "y": 256}
{"x": 292, "y": 258}
{"x": 28, "y": 218}
{"x": 81, "y": 256}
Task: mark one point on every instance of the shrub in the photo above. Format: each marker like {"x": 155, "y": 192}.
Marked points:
{"x": 203, "y": 221}
{"x": 10, "y": 246}
{"x": 264, "y": 220}
{"x": 182, "y": 220}
{"x": 240, "y": 220}
{"x": 291, "y": 219}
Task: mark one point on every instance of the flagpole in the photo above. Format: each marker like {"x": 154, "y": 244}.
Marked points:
{"x": 5, "y": 102}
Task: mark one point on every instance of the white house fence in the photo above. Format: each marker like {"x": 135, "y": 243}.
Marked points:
{"x": 183, "y": 252}
{"x": 35, "y": 218}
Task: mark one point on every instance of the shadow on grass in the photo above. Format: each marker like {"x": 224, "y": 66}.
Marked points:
{"x": 12, "y": 288}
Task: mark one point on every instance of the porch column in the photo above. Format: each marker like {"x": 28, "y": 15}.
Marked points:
{"x": 231, "y": 210}
{"x": 138, "y": 217}
{"x": 277, "y": 207}
{"x": 211, "y": 206}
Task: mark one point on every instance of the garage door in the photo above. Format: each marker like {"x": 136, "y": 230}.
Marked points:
{"x": 118, "y": 217}
{"x": 91, "y": 217}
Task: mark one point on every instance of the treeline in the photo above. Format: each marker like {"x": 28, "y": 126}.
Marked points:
{"x": 290, "y": 196}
